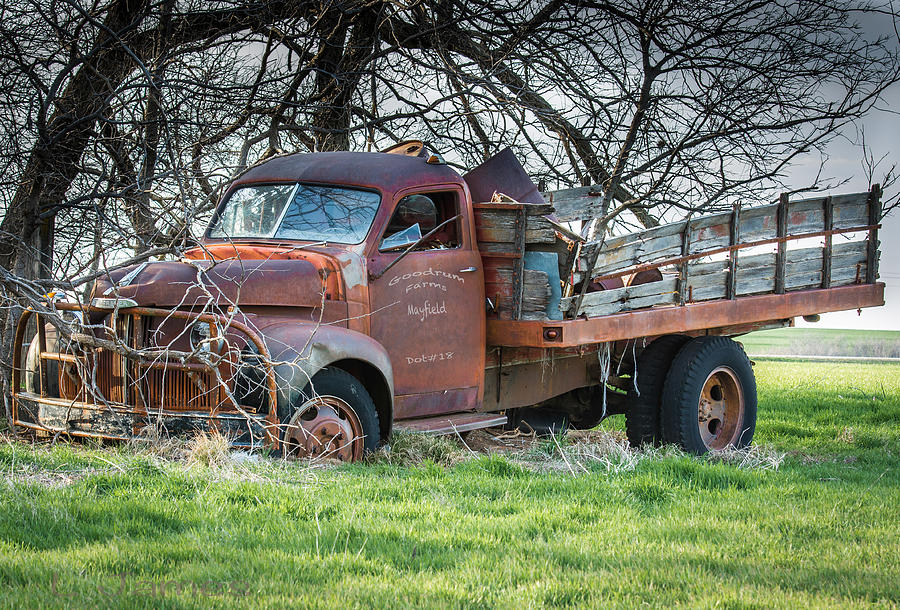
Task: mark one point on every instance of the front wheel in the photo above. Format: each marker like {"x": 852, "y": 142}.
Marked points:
{"x": 709, "y": 397}
{"x": 334, "y": 417}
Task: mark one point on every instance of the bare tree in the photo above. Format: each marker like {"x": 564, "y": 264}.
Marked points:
{"x": 123, "y": 120}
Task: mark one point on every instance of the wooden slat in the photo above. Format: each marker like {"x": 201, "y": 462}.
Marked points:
{"x": 756, "y": 280}
{"x": 780, "y": 231}
{"x": 758, "y": 223}
{"x": 844, "y": 276}
{"x": 708, "y": 232}
{"x": 576, "y": 203}
{"x": 698, "y": 268}
{"x": 683, "y": 269}
{"x": 827, "y": 224}
{"x": 518, "y": 280}
{"x": 850, "y": 210}
{"x": 500, "y": 226}
{"x": 605, "y": 302}
{"x": 536, "y": 292}
{"x": 605, "y": 297}
{"x": 874, "y": 216}
{"x": 734, "y": 238}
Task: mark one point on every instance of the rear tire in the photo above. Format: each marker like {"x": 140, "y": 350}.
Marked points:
{"x": 709, "y": 398}
{"x": 642, "y": 419}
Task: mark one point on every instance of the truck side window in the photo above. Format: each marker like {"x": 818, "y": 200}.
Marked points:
{"x": 418, "y": 214}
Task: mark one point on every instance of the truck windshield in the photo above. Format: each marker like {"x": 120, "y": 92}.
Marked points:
{"x": 307, "y": 212}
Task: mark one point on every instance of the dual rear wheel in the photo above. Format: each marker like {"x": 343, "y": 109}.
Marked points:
{"x": 699, "y": 394}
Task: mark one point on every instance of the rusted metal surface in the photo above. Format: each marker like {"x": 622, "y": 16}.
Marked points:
{"x": 112, "y": 396}
{"x": 325, "y": 426}
{"x": 432, "y": 403}
{"x": 451, "y": 424}
{"x": 694, "y": 316}
{"x": 284, "y": 282}
{"x": 720, "y": 411}
{"x": 523, "y": 383}
{"x": 428, "y": 313}
{"x": 385, "y": 172}
{"x": 502, "y": 173}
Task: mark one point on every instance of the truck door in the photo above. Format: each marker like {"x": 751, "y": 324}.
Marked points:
{"x": 428, "y": 309}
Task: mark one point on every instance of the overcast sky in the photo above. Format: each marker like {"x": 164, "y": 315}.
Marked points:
{"x": 882, "y": 129}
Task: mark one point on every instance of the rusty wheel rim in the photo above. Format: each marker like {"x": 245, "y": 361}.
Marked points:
{"x": 720, "y": 409}
{"x": 325, "y": 426}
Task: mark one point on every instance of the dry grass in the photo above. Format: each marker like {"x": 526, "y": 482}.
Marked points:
{"x": 210, "y": 449}
{"x": 411, "y": 449}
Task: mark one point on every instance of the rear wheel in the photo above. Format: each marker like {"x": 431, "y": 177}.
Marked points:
{"x": 709, "y": 398}
{"x": 642, "y": 419}
{"x": 333, "y": 417}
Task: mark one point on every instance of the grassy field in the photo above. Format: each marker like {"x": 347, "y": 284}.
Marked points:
{"x": 824, "y": 342}
{"x": 811, "y": 517}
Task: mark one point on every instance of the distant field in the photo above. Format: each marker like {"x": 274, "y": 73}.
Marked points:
{"x": 809, "y": 518}
{"x": 824, "y": 342}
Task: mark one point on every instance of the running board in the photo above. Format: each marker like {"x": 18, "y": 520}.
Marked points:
{"x": 450, "y": 424}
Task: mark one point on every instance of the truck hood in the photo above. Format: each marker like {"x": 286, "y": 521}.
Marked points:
{"x": 291, "y": 283}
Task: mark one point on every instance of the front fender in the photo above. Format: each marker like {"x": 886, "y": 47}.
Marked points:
{"x": 300, "y": 350}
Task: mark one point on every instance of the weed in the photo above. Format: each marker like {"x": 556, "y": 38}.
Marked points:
{"x": 411, "y": 449}
{"x": 210, "y": 449}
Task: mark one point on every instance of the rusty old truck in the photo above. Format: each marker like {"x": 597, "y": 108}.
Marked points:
{"x": 336, "y": 297}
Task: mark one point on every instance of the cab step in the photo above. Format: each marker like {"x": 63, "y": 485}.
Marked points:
{"x": 450, "y": 424}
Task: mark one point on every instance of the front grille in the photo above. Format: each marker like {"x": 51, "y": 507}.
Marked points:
{"x": 176, "y": 390}
{"x": 101, "y": 376}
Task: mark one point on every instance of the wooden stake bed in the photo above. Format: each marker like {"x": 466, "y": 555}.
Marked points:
{"x": 708, "y": 315}
{"x": 722, "y": 271}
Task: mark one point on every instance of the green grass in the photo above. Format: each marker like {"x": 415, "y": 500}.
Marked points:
{"x": 824, "y": 342}
{"x": 112, "y": 527}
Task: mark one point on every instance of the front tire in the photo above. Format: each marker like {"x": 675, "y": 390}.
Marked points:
{"x": 334, "y": 416}
{"x": 709, "y": 397}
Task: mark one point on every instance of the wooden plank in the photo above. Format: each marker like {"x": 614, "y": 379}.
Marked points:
{"x": 845, "y": 276}
{"x": 781, "y": 230}
{"x": 683, "y": 268}
{"x": 709, "y": 232}
{"x": 500, "y": 226}
{"x": 575, "y": 203}
{"x": 758, "y": 223}
{"x": 518, "y": 281}
{"x": 695, "y": 268}
{"x": 805, "y": 216}
{"x": 874, "y": 216}
{"x": 734, "y": 238}
{"x": 636, "y": 253}
{"x": 646, "y": 241}
{"x": 707, "y": 286}
{"x": 850, "y": 210}
{"x": 605, "y": 297}
{"x": 667, "y": 298}
{"x": 535, "y": 293}
{"x": 827, "y": 225}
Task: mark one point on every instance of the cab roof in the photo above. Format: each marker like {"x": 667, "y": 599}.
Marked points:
{"x": 386, "y": 172}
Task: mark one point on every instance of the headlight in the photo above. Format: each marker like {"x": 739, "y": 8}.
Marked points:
{"x": 200, "y": 336}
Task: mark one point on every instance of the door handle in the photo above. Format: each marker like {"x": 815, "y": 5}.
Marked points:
{"x": 468, "y": 270}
